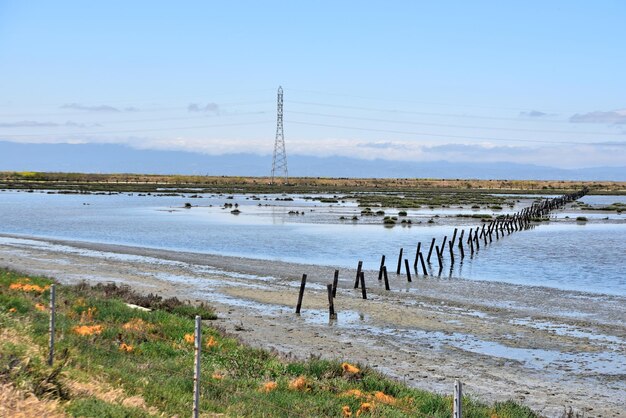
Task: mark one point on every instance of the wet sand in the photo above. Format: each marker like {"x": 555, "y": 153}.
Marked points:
{"x": 546, "y": 348}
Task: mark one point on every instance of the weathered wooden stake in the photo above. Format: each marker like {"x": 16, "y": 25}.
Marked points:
{"x": 423, "y": 264}
{"x": 417, "y": 252}
{"x": 335, "y": 283}
{"x": 386, "y": 277}
{"x": 196, "y": 367}
{"x": 458, "y": 399}
{"x": 302, "y": 285}
{"x": 439, "y": 257}
{"x": 363, "y": 292}
{"x": 52, "y": 324}
{"x": 399, "y": 262}
{"x": 451, "y": 252}
{"x": 408, "y": 270}
{"x": 454, "y": 236}
{"x": 430, "y": 251}
{"x": 331, "y": 305}
{"x": 358, "y": 272}
{"x": 380, "y": 270}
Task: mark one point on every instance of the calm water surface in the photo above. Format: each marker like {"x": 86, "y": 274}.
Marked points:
{"x": 566, "y": 255}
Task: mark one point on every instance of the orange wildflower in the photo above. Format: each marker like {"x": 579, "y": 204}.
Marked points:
{"x": 346, "y": 411}
{"x": 87, "y": 316}
{"x": 299, "y": 383}
{"x": 190, "y": 338}
{"x": 137, "y": 325}
{"x": 217, "y": 376}
{"x": 88, "y": 329}
{"x": 381, "y": 397}
{"x": 365, "y": 407}
{"x": 28, "y": 287}
{"x": 349, "y": 368}
{"x": 269, "y": 386}
{"x": 126, "y": 347}
{"x": 211, "y": 343}
{"x": 353, "y": 392}
{"x": 12, "y": 310}
{"x": 40, "y": 307}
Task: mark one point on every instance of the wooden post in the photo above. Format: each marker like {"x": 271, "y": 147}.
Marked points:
{"x": 423, "y": 264}
{"x": 52, "y": 324}
{"x": 454, "y": 236}
{"x": 363, "y": 292}
{"x": 451, "y": 253}
{"x": 386, "y": 277}
{"x": 439, "y": 257}
{"x": 443, "y": 245}
{"x": 399, "y": 262}
{"x": 302, "y": 285}
{"x": 380, "y": 270}
{"x": 476, "y": 239}
{"x": 331, "y": 305}
{"x": 358, "y": 272}
{"x": 472, "y": 246}
{"x": 417, "y": 255}
{"x": 430, "y": 251}
{"x": 408, "y": 270}
{"x": 458, "y": 399}
{"x": 335, "y": 282}
{"x": 196, "y": 367}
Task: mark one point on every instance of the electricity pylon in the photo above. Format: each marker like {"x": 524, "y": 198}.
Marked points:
{"x": 279, "y": 163}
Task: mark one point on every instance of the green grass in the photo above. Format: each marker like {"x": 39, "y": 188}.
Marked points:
{"x": 159, "y": 367}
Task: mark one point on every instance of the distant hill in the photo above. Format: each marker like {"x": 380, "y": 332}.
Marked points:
{"x": 113, "y": 158}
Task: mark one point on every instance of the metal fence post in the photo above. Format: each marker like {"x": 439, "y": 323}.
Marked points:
{"x": 196, "y": 367}
{"x": 52, "y": 325}
{"x": 458, "y": 396}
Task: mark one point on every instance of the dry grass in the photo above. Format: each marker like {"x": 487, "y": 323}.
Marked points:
{"x": 103, "y": 391}
{"x": 18, "y": 404}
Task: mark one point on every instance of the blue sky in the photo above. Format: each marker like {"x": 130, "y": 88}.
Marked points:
{"x": 531, "y": 82}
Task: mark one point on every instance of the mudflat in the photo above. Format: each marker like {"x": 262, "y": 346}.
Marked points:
{"x": 546, "y": 348}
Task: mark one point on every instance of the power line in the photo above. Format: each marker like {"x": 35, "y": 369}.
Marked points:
{"x": 451, "y": 126}
{"x": 445, "y": 136}
{"x": 419, "y": 102}
{"x": 411, "y": 112}
{"x": 148, "y": 130}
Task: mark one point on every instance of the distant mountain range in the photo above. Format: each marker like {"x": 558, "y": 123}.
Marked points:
{"x": 113, "y": 158}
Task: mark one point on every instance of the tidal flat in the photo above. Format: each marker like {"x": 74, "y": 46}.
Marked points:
{"x": 536, "y": 316}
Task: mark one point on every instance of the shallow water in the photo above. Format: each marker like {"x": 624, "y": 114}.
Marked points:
{"x": 568, "y": 255}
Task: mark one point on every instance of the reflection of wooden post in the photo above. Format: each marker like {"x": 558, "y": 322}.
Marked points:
{"x": 302, "y": 285}
{"x": 196, "y": 367}
{"x": 52, "y": 324}
{"x": 380, "y": 270}
{"x": 399, "y": 262}
{"x": 335, "y": 282}
{"x": 363, "y": 292}
{"x": 408, "y": 270}
{"x": 458, "y": 399}
{"x": 331, "y": 305}
{"x": 358, "y": 272}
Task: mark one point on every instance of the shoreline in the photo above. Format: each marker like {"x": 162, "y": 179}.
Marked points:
{"x": 505, "y": 341}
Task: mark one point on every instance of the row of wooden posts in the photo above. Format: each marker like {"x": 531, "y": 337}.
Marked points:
{"x": 500, "y": 227}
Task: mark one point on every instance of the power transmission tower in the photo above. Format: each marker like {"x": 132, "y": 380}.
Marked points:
{"x": 279, "y": 163}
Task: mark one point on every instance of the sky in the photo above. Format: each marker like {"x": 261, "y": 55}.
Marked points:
{"x": 531, "y": 82}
